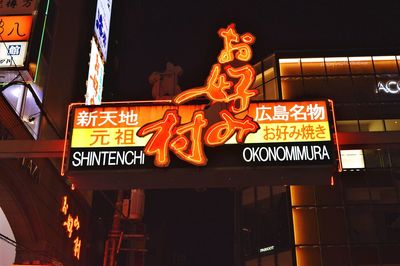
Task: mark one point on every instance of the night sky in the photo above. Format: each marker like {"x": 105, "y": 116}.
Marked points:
{"x": 198, "y": 224}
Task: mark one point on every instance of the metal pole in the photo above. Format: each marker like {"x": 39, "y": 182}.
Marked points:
{"x": 114, "y": 234}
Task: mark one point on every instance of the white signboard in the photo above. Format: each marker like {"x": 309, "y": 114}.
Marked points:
{"x": 17, "y": 7}
{"x": 102, "y": 24}
{"x": 94, "y": 87}
{"x": 12, "y": 54}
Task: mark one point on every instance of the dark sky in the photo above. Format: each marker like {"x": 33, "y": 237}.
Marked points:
{"x": 146, "y": 34}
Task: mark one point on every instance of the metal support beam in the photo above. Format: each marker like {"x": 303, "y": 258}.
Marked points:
{"x": 31, "y": 148}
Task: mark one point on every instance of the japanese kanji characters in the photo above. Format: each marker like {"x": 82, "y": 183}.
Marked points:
{"x": 218, "y": 84}
{"x": 71, "y": 225}
{"x": 225, "y": 84}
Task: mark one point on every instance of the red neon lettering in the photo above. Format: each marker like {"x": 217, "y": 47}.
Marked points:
{"x": 242, "y": 94}
{"x": 221, "y": 132}
{"x": 77, "y": 247}
{"x": 163, "y": 130}
{"x": 232, "y": 43}
{"x": 180, "y": 145}
{"x": 215, "y": 88}
{"x": 64, "y": 207}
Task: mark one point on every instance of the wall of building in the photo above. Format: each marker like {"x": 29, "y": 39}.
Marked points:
{"x": 355, "y": 221}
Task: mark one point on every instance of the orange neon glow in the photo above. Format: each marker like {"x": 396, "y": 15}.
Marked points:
{"x": 64, "y": 207}
{"x": 163, "y": 130}
{"x": 232, "y": 43}
{"x": 180, "y": 145}
{"x": 215, "y": 88}
{"x": 246, "y": 75}
{"x": 15, "y": 28}
{"x": 336, "y": 138}
{"x": 77, "y": 248}
{"x": 71, "y": 224}
{"x": 221, "y": 132}
{"x": 217, "y": 85}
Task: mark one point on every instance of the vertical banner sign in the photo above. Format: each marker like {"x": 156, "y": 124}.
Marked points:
{"x": 71, "y": 225}
{"x": 94, "y": 87}
{"x": 102, "y": 24}
{"x": 17, "y": 7}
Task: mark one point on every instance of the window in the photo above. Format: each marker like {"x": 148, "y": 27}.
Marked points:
{"x": 334, "y": 256}
{"x": 290, "y": 67}
{"x": 302, "y": 195}
{"x": 23, "y": 102}
{"x": 248, "y": 197}
{"x": 361, "y": 65}
{"x": 371, "y": 125}
{"x": 376, "y": 158}
{"x": 332, "y": 225}
{"x": 292, "y": 88}
{"x": 337, "y": 65}
{"x": 392, "y": 124}
{"x": 308, "y": 256}
{"x": 305, "y": 226}
{"x": 347, "y": 126}
{"x": 313, "y": 66}
{"x": 362, "y": 225}
{"x": 385, "y": 64}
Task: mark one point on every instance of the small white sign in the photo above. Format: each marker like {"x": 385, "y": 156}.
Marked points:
{"x": 94, "y": 87}
{"x": 102, "y": 24}
{"x": 12, "y": 54}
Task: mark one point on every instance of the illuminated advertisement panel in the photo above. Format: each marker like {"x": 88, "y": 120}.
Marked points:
{"x": 94, "y": 85}
{"x": 18, "y": 7}
{"x": 15, "y": 28}
{"x": 102, "y": 24}
{"x": 283, "y": 134}
{"x": 218, "y": 143}
{"x": 13, "y": 54}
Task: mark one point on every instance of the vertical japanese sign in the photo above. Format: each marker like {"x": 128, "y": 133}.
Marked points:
{"x": 71, "y": 225}
{"x": 19, "y": 7}
{"x": 102, "y": 24}
{"x": 94, "y": 87}
{"x": 15, "y": 28}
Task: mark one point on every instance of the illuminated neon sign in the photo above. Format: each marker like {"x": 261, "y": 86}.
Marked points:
{"x": 225, "y": 130}
{"x": 15, "y": 28}
{"x": 72, "y": 225}
{"x": 169, "y": 134}
{"x": 389, "y": 87}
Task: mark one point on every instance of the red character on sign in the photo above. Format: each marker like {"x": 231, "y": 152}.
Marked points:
{"x": 221, "y": 132}
{"x": 181, "y": 145}
{"x": 163, "y": 130}
{"x": 163, "y": 139}
{"x": 217, "y": 85}
{"x": 232, "y": 43}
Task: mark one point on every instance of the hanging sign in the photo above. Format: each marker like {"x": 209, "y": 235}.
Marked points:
{"x": 226, "y": 131}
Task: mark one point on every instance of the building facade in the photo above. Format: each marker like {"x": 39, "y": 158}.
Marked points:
{"x": 41, "y": 72}
{"x": 356, "y": 219}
